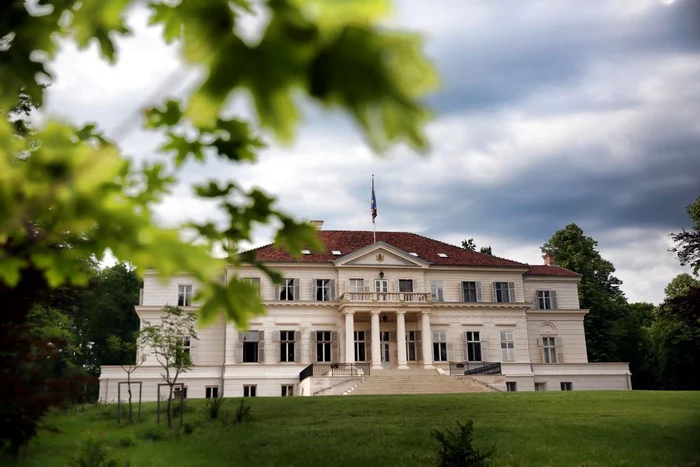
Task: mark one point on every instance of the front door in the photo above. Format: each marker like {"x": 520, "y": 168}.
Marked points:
{"x": 386, "y": 349}
{"x": 381, "y": 287}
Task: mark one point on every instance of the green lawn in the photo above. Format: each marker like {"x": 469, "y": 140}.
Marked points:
{"x": 555, "y": 429}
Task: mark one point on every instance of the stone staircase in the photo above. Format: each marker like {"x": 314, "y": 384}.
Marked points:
{"x": 415, "y": 381}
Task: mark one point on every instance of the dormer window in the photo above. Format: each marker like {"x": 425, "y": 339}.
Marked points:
{"x": 413, "y": 253}
{"x": 305, "y": 252}
{"x": 336, "y": 252}
{"x": 442, "y": 255}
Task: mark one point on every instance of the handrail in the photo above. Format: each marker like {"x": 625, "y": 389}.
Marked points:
{"x": 386, "y": 297}
{"x": 475, "y": 368}
{"x": 335, "y": 369}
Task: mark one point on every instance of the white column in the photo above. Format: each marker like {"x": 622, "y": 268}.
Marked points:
{"x": 427, "y": 336}
{"x": 376, "y": 348}
{"x": 401, "y": 339}
{"x": 349, "y": 337}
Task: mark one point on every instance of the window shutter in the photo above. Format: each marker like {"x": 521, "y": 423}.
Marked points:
{"x": 276, "y": 336}
{"x": 313, "y": 346}
{"x": 277, "y": 292}
{"x": 334, "y": 346}
{"x": 313, "y": 286}
{"x": 193, "y": 350}
{"x": 297, "y": 336}
{"x": 334, "y": 292}
{"x": 239, "y": 348}
{"x": 511, "y": 292}
{"x": 538, "y": 306}
{"x": 559, "y": 349}
{"x": 479, "y": 293}
{"x": 347, "y": 285}
{"x": 297, "y": 289}
{"x": 484, "y": 351}
{"x": 451, "y": 354}
{"x": 553, "y": 294}
{"x": 261, "y": 346}
{"x": 493, "y": 290}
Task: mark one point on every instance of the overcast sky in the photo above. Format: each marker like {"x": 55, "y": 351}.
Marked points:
{"x": 550, "y": 112}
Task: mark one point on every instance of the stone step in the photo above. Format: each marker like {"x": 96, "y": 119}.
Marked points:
{"x": 414, "y": 382}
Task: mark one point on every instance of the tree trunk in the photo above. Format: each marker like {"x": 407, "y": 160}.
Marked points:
{"x": 128, "y": 385}
{"x": 170, "y": 407}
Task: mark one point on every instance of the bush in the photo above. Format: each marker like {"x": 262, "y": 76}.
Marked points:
{"x": 214, "y": 406}
{"x": 456, "y": 448}
{"x": 179, "y": 407}
{"x": 243, "y": 413}
{"x": 127, "y": 441}
{"x": 93, "y": 453}
{"x": 154, "y": 433}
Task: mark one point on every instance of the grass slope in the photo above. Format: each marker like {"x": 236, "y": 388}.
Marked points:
{"x": 539, "y": 429}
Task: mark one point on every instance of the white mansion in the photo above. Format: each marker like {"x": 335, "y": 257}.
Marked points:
{"x": 403, "y": 314}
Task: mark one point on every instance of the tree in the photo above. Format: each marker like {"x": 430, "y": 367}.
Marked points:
{"x": 688, "y": 241}
{"x": 165, "y": 341}
{"x": 675, "y": 341}
{"x": 599, "y": 290}
{"x": 74, "y": 188}
{"x": 471, "y": 246}
{"x": 134, "y": 360}
{"x": 680, "y": 285}
{"x": 632, "y": 343}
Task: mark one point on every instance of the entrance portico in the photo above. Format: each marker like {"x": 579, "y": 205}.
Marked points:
{"x": 388, "y": 338}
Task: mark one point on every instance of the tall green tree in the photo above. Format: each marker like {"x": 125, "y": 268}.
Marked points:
{"x": 599, "y": 290}
{"x": 632, "y": 343}
{"x": 680, "y": 285}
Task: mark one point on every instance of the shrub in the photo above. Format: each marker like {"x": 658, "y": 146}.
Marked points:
{"x": 154, "y": 433}
{"x": 188, "y": 428}
{"x": 214, "y": 406}
{"x": 93, "y": 453}
{"x": 179, "y": 407}
{"x": 456, "y": 448}
{"x": 243, "y": 412}
{"x": 127, "y": 441}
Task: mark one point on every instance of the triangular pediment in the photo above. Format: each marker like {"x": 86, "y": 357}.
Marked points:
{"x": 381, "y": 254}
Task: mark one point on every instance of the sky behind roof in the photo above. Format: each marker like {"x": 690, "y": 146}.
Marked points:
{"x": 549, "y": 113}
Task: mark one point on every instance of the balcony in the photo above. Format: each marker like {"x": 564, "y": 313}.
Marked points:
{"x": 388, "y": 297}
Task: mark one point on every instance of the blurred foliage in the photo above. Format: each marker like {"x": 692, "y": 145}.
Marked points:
{"x": 80, "y": 190}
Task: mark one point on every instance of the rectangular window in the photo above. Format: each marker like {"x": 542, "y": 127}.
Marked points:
{"x": 437, "y": 291}
{"x": 381, "y": 286}
{"x": 511, "y": 386}
{"x": 566, "y": 386}
{"x": 254, "y": 281}
{"x": 503, "y": 292}
{"x": 287, "y": 346}
{"x": 549, "y": 349}
{"x": 251, "y": 345}
{"x": 289, "y": 290}
{"x": 184, "y": 295}
{"x": 185, "y": 348}
{"x": 411, "y": 346}
{"x": 249, "y": 390}
{"x": 323, "y": 346}
{"x": 356, "y": 285}
{"x": 545, "y": 300}
{"x": 507, "y": 346}
{"x": 439, "y": 346}
{"x": 211, "y": 392}
{"x": 325, "y": 290}
{"x": 360, "y": 346}
{"x": 287, "y": 390}
{"x": 469, "y": 292}
{"x": 540, "y": 386}
{"x": 473, "y": 352}
{"x": 406, "y": 285}
{"x": 180, "y": 391}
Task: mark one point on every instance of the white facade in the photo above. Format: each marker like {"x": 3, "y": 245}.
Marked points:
{"x": 392, "y": 309}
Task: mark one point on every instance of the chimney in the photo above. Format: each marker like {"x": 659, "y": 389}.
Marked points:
{"x": 317, "y": 224}
{"x": 549, "y": 260}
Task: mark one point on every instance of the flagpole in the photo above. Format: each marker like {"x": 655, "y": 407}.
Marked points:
{"x": 374, "y": 215}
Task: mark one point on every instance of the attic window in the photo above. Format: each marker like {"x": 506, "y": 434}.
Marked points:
{"x": 413, "y": 253}
{"x": 336, "y": 252}
{"x": 442, "y": 255}
{"x": 305, "y": 252}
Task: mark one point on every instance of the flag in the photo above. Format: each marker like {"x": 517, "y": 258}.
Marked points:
{"x": 373, "y": 209}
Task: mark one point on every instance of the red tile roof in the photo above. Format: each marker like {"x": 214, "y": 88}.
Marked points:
{"x": 348, "y": 241}
{"x": 551, "y": 271}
